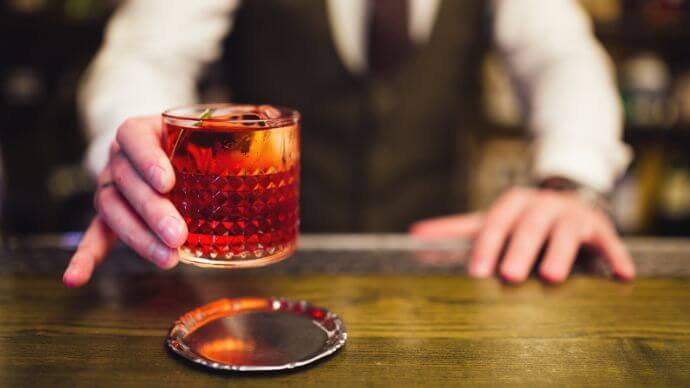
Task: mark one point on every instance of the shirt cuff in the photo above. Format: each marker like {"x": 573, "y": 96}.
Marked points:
{"x": 597, "y": 166}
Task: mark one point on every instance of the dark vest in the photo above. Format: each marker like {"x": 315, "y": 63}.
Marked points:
{"x": 377, "y": 154}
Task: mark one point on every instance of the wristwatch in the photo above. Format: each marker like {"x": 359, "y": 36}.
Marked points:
{"x": 587, "y": 194}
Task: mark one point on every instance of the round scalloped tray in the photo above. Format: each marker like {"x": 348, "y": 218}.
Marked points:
{"x": 256, "y": 334}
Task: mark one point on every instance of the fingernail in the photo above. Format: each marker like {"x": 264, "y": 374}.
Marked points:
{"x": 161, "y": 255}
{"x": 69, "y": 277}
{"x": 170, "y": 229}
{"x": 157, "y": 177}
{"x": 511, "y": 275}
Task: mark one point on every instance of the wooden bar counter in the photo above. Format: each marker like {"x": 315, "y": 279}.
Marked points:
{"x": 413, "y": 316}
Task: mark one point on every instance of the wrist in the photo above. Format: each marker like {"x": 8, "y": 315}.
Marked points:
{"x": 588, "y": 195}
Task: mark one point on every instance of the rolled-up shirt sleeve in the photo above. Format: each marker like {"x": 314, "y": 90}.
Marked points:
{"x": 565, "y": 79}
{"x": 152, "y": 54}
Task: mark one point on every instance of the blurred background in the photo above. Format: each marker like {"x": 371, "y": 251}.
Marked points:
{"x": 46, "y": 45}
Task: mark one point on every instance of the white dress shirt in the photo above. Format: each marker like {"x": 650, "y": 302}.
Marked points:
{"x": 154, "y": 50}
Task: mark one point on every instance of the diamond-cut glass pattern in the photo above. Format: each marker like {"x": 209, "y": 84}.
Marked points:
{"x": 238, "y": 216}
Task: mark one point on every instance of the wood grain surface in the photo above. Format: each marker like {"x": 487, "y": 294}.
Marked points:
{"x": 406, "y": 329}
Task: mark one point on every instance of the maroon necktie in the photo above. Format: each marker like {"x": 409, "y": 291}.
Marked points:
{"x": 388, "y": 35}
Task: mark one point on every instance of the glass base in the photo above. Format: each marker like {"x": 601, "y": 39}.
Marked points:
{"x": 242, "y": 260}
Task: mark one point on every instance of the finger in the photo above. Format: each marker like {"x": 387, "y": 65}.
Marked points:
{"x": 562, "y": 249}
{"x": 140, "y": 140}
{"x": 605, "y": 239}
{"x": 156, "y": 210}
{"x": 529, "y": 236}
{"x": 131, "y": 230}
{"x": 106, "y": 175}
{"x": 270, "y": 111}
{"x": 492, "y": 236}
{"x": 95, "y": 243}
{"x": 459, "y": 226}
{"x": 114, "y": 150}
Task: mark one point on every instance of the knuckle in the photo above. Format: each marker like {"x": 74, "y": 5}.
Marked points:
{"x": 568, "y": 227}
{"x": 105, "y": 201}
{"x": 490, "y": 236}
{"x": 534, "y": 220}
{"x": 133, "y": 239}
{"x": 150, "y": 210}
{"x": 122, "y": 130}
{"x": 571, "y": 223}
{"x": 97, "y": 201}
{"x": 119, "y": 169}
{"x": 101, "y": 202}
{"x": 588, "y": 231}
{"x": 114, "y": 149}
{"x": 573, "y": 214}
{"x": 126, "y": 129}
{"x": 96, "y": 198}
{"x": 603, "y": 219}
{"x": 496, "y": 220}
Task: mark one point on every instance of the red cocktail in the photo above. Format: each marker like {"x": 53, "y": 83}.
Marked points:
{"x": 237, "y": 182}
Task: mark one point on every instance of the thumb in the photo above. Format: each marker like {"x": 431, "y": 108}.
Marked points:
{"x": 458, "y": 226}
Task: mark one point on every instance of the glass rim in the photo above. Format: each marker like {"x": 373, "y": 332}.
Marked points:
{"x": 287, "y": 115}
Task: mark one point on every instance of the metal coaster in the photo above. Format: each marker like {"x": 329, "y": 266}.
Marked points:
{"x": 256, "y": 334}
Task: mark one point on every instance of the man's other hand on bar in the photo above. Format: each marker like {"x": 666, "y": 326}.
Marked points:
{"x": 524, "y": 220}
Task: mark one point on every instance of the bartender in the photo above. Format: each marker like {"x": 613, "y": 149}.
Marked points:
{"x": 386, "y": 89}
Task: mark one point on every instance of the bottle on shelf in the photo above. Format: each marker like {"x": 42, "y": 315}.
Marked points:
{"x": 645, "y": 83}
{"x": 681, "y": 98}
